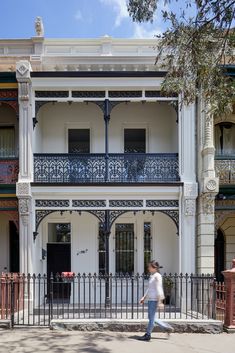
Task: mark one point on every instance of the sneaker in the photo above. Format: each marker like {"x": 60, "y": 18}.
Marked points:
{"x": 146, "y": 338}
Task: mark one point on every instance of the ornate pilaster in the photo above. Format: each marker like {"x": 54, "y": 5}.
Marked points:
{"x": 23, "y": 69}
{"x": 208, "y": 186}
{"x": 187, "y": 163}
{"x": 23, "y": 191}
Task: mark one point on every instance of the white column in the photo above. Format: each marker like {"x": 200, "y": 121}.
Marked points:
{"x": 189, "y": 193}
{"x": 23, "y": 188}
{"x": 208, "y": 189}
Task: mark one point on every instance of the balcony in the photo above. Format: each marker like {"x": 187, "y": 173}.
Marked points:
{"x": 99, "y": 168}
{"x": 9, "y": 169}
{"x": 225, "y": 169}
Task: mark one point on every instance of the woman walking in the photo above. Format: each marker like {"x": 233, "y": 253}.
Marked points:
{"x": 155, "y": 296}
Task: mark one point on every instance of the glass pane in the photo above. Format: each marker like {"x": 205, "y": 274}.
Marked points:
{"x": 102, "y": 262}
{"x": 147, "y": 245}
{"x": 225, "y": 138}
{"x": 124, "y": 248}
{"x": 59, "y": 233}
{"x": 79, "y": 140}
{"x": 7, "y": 141}
{"x": 134, "y": 140}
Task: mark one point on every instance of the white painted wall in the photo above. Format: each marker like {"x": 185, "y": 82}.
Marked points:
{"x": 84, "y": 231}
{"x": 4, "y": 242}
{"x": 159, "y": 119}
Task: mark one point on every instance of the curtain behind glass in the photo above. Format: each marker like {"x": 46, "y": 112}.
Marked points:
{"x": 7, "y": 142}
{"x": 225, "y": 139}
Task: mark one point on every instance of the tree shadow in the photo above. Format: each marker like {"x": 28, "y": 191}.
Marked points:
{"x": 44, "y": 340}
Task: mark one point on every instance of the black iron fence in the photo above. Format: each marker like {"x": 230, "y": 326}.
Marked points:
{"x": 99, "y": 168}
{"x": 36, "y": 300}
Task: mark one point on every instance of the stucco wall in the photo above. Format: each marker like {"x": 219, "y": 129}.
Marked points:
{"x": 159, "y": 119}
{"x": 84, "y": 231}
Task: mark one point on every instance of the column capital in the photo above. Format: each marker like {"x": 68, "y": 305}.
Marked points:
{"x": 23, "y": 189}
{"x": 23, "y": 69}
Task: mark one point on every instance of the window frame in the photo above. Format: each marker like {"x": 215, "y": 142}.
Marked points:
{"x": 13, "y": 127}
{"x": 77, "y": 126}
{"x": 136, "y": 125}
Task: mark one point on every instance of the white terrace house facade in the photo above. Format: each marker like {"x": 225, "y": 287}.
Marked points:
{"x": 111, "y": 173}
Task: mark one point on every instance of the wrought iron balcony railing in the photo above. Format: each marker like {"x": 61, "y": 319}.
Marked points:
{"x": 225, "y": 169}
{"x": 9, "y": 169}
{"x": 97, "y": 168}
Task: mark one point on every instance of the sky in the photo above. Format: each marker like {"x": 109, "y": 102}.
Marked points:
{"x": 73, "y": 19}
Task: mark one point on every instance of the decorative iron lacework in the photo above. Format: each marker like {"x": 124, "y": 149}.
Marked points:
{"x": 91, "y": 168}
{"x": 101, "y": 215}
{"x": 174, "y": 215}
{"x": 125, "y": 94}
{"x": 40, "y": 215}
{"x": 38, "y": 105}
{"x": 9, "y": 170}
{"x": 88, "y": 203}
{"x": 153, "y": 94}
{"x": 9, "y": 204}
{"x": 52, "y": 203}
{"x": 113, "y": 215}
{"x": 162, "y": 203}
{"x": 126, "y": 203}
{"x": 88, "y": 94}
{"x": 111, "y": 105}
{"x": 225, "y": 170}
{"x": 51, "y": 94}
{"x": 10, "y": 98}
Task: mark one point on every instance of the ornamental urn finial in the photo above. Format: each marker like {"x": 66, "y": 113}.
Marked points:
{"x": 39, "y": 28}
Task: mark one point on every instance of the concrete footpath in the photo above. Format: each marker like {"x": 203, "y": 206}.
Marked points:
{"x": 43, "y": 340}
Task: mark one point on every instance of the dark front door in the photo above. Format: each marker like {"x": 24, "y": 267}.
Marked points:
{"x": 14, "y": 248}
{"x": 58, "y": 261}
{"x": 219, "y": 256}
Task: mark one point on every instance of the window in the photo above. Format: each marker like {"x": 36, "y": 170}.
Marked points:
{"x": 59, "y": 233}
{"x": 225, "y": 138}
{"x": 147, "y": 245}
{"x": 7, "y": 141}
{"x": 134, "y": 140}
{"x": 124, "y": 248}
{"x": 79, "y": 140}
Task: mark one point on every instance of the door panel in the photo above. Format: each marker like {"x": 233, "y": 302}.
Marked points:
{"x": 58, "y": 261}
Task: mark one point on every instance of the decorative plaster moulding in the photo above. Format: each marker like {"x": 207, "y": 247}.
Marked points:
{"x": 105, "y": 53}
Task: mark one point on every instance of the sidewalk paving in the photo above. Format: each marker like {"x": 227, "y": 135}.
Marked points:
{"x": 43, "y": 340}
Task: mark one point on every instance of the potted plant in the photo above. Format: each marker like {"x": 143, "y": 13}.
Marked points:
{"x": 168, "y": 285}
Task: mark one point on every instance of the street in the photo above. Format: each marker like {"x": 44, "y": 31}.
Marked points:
{"x": 43, "y": 340}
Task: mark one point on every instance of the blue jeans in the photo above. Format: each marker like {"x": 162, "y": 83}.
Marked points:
{"x": 152, "y": 308}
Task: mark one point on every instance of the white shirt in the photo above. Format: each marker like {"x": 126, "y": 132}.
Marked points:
{"x": 155, "y": 287}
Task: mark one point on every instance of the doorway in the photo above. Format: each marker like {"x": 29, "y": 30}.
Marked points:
{"x": 219, "y": 255}
{"x": 14, "y": 248}
{"x": 58, "y": 259}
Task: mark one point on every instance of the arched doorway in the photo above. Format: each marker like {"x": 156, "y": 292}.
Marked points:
{"x": 219, "y": 255}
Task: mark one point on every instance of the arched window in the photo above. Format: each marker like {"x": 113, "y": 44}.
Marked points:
{"x": 225, "y": 138}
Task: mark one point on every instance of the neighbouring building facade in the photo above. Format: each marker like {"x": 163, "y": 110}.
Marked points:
{"x": 9, "y": 169}
{"x": 111, "y": 173}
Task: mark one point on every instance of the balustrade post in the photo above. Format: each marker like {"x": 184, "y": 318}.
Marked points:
{"x": 229, "y": 321}
{"x": 107, "y": 236}
{"x": 23, "y": 189}
{"x": 106, "y": 111}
